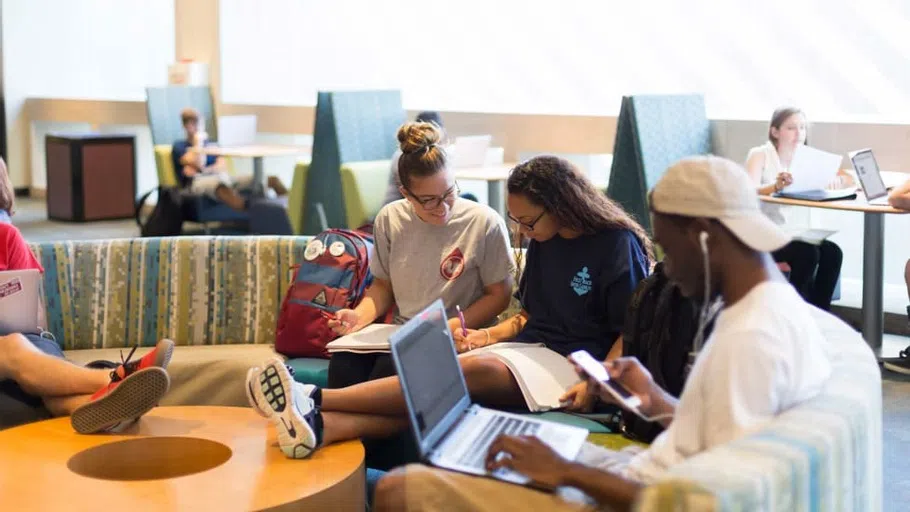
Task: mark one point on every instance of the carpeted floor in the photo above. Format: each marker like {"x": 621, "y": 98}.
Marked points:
{"x": 32, "y": 221}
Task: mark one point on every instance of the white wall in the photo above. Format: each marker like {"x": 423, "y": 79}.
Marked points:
{"x": 80, "y": 49}
{"x": 838, "y": 59}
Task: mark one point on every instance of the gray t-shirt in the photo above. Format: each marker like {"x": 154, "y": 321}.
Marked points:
{"x": 454, "y": 262}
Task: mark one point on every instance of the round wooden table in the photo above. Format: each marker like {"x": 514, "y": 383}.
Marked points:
{"x": 175, "y": 458}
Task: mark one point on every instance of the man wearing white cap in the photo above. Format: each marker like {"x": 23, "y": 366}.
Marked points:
{"x": 764, "y": 356}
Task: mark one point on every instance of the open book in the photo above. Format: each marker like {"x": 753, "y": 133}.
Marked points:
{"x": 542, "y": 374}
{"x": 372, "y": 338}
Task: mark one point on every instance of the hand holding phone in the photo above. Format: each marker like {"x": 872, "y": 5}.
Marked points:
{"x": 597, "y": 373}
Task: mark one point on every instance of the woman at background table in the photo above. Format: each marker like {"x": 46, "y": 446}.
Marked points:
{"x": 814, "y": 269}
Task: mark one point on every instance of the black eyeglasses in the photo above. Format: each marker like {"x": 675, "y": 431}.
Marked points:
{"x": 435, "y": 202}
{"x": 528, "y": 225}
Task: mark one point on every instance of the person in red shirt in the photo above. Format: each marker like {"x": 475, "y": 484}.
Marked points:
{"x": 96, "y": 400}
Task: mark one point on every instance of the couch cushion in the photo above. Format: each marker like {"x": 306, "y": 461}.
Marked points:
{"x": 310, "y": 371}
{"x": 195, "y": 290}
{"x": 205, "y": 375}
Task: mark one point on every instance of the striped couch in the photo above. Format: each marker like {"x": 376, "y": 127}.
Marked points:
{"x": 823, "y": 455}
{"x": 217, "y": 297}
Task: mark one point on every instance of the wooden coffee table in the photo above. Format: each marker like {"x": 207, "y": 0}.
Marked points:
{"x": 175, "y": 458}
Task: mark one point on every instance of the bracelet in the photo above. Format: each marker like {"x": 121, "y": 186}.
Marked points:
{"x": 487, "y": 331}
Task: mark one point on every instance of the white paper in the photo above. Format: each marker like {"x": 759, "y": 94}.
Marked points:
{"x": 372, "y": 338}
{"x": 813, "y": 169}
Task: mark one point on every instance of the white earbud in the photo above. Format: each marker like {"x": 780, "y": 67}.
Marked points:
{"x": 703, "y": 240}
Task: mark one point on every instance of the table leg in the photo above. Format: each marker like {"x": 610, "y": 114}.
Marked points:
{"x": 873, "y": 278}
{"x": 496, "y": 196}
{"x": 258, "y": 177}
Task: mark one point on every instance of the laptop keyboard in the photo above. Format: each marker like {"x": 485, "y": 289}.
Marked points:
{"x": 475, "y": 455}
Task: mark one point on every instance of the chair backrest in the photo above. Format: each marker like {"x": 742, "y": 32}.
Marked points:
{"x": 364, "y": 185}
{"x": 163, "y": 106}
{"x": 194, "y": 290}
{"x": 351, "y": 126}
{"x": 165, "y": 166}
{"x": 653, "y": 132}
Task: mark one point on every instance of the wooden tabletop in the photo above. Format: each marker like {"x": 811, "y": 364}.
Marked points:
{"x": 257, "y": 150}
{"x": 854, "y": 205}
{"x": 43, "y": 466}
{"x": 497, "y": 172}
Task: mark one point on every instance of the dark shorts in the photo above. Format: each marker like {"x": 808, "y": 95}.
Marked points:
{"x": 349, "y": 368}
{"x": 48, "y": 346}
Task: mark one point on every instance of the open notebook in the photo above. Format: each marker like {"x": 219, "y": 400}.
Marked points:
{"x": 542, "y": 375}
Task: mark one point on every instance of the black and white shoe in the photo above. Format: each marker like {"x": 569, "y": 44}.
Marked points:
{"x": 290, "y": 405}
{"x": 899, "y": 364}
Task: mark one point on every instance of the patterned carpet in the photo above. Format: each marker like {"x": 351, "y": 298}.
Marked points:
{"x": 32, "y": 221}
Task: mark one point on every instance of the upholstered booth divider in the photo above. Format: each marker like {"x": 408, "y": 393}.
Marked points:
{"x": 652, "y": 132}
{"x": 164, "y": 104}
{"x": 351, "y": 126}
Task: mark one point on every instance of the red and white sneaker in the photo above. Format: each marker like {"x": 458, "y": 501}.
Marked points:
{"x": 136, "y": 387}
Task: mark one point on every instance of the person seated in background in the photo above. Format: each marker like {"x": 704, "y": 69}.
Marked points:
{"x": 765, "y": 356}
{"x": 393, "y": 192}
{"x": 814, "y": 269}
{"x": 7, "y": 194}
{"x": 585, "y": 260}
{"x": 207, "y": 174}
{"x": 96, "y": 400}
{"x": 429, "y": 245}
{"x": 899, "y": 197}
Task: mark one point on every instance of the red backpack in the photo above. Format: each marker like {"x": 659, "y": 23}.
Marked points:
{"x": 334, "y": 274}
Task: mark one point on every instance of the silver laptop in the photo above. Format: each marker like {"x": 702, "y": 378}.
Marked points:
{"x": 236, "y": 131}
{"x": 450, "y": 431}
{"x": 19, "y": 301}
{"x": 471, "y": 151}
{"x": 870, "y": 177}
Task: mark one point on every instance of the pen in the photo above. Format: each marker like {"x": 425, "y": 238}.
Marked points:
{"x": 464, "y": 329}
{"x": 328, "y": 315}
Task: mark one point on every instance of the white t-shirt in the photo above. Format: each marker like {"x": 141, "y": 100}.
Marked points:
{"x": 793, "y": 219}
{"x": 764, "y": 357}
{"x": 454, "y": 262}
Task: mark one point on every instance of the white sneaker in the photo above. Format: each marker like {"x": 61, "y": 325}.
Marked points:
{"x": 290, "y": 405}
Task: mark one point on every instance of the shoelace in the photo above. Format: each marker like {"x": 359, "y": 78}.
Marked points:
{"x": 128, "y": 367}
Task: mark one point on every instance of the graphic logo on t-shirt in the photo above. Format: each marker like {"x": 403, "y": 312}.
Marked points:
{"x": 582, "y": 283}
{"x": 452, "y": 265}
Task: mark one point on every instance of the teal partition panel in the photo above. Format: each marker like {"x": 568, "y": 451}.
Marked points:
{"x": 351, "y": 126}
{"x": 164, "y": 104}
{"x": 652, "y": 132}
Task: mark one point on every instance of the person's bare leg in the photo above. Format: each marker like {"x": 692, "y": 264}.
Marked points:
{"x": 46, "y": 376}
{"x": 343, "y": 426}
{"x": 276, "y": 185}
{"x": 489, "y": 381}
{"x": 65, "y": 405}
{"x": 230, "y": 197}
{"x": 390, "y": 494}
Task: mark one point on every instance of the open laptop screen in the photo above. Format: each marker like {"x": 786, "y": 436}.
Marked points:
{"x": 868, "y": 173}
{"x": 431, "y": 377}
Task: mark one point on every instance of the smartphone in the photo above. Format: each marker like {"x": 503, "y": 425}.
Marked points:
{"x": 596, "y": 371}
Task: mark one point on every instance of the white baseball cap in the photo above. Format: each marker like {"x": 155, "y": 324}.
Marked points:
{"x": 717, "y": 188}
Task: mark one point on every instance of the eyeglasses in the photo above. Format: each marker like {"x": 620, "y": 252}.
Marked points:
{"x": 435, "y": 202}
{"x": 528, "y": 225}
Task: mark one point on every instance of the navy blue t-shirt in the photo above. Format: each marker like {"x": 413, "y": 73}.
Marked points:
{"x": 576, "y": 291}
{"x": 177, "y": 151}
